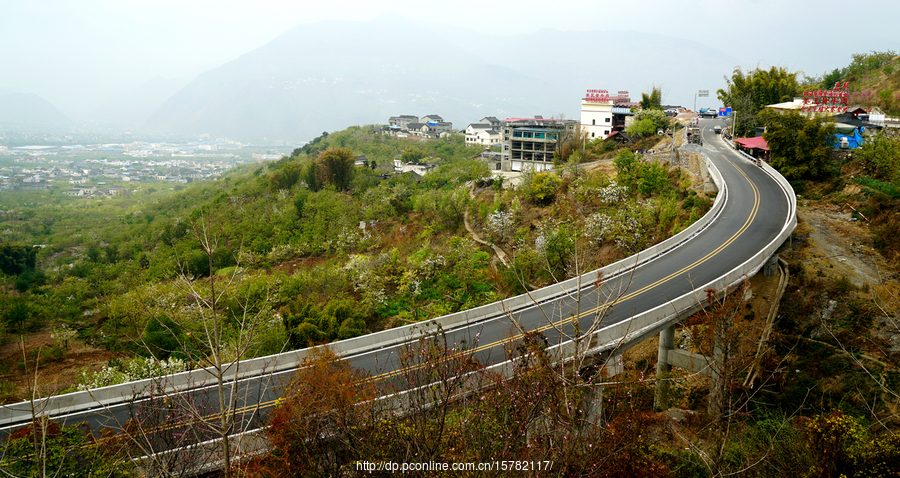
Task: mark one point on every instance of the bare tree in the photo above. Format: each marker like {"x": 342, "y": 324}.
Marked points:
{"x": 162, "y": 434}
{"x": 175, "y": 431}
{"x": 888, "y": 304}
{"x": 227, "y": 336}
{"x": 585, "y": 370}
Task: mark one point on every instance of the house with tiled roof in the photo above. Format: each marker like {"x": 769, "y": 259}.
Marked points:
{"x": 403, "y": 121}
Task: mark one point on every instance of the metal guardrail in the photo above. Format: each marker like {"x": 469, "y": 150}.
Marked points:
{"x": 620, "y": 336}
{"x": 121, "y": 393}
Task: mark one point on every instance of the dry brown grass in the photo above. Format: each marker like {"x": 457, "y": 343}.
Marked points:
{"x": 53, "y": 376}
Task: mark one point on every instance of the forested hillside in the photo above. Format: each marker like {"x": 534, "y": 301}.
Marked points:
{"x": 317, "y": 248}
{"x": 875, "y": 77}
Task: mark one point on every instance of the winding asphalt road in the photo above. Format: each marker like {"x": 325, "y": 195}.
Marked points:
{"x": 753, "y": 215}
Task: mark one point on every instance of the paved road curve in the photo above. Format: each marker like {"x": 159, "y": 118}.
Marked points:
{"x": 753, "y": 215}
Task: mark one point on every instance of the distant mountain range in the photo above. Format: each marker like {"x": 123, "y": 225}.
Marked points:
{"x": 328, "y": 75}
{"x": 332, "y": 74}
{"x": 29, "y": 110}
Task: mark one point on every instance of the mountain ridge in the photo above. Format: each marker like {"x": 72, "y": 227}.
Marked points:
{"x": 331, "y": 74}
{"x": 29, "y": 110}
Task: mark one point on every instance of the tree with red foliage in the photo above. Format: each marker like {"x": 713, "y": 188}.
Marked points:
{"x": 322, "y": 424}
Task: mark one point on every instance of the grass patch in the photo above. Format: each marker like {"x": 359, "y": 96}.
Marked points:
{"x": 876, "y": 186}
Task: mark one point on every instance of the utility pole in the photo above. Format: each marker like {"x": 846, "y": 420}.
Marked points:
{"x": 734, "y": 128}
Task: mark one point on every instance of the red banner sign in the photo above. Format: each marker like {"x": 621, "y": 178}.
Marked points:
{"x": 603, "y": 96}
{"x": 596, "y": 96}
{"x": 834, "y": 100}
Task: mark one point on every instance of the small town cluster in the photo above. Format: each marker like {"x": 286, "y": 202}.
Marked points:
{"x": 529, "y": 142}
{"x": 95, "y": 171}
{"x": 37, "y": 166}
{"x": 516, "y": 144}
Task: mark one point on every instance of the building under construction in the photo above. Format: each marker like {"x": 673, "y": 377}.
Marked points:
{"x": 532, "y": 142}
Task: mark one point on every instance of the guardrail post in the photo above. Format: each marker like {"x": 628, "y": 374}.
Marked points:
{"x": 663, "y": 367}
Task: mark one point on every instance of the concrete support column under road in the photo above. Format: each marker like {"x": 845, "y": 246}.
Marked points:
{"x": 663, "y": 367}
{"x": 592, "y": 401}
{"x": 597, "y": 369}
{"x": 669, "y": 356}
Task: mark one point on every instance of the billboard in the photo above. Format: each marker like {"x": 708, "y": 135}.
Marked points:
{"x": 834, "y": 100}
{"x": 596, "y": 96}
{"x": 603, "y": 96}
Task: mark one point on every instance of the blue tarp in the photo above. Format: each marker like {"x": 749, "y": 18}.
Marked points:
{"x": 855, "y": 141}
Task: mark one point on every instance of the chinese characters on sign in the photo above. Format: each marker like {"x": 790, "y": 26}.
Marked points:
{"x": 597, "y": 96}
{"x": 602, "y": 96}
{"x": 834, "y": 100}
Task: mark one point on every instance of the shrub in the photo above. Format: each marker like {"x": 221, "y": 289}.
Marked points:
{"x": 326, "y": 398}
{"x": 68, "y": 450}
{"x": 879, "y": 186}
{"x": 834, "y": 440}
{"x": 138, "y": 369}
{"x": 542, "y": 188}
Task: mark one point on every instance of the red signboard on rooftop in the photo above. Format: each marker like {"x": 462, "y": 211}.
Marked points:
{"x": 596, "y": 96}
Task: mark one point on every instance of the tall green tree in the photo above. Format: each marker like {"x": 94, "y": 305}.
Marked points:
{"x": 335, "y": 166}
{"x": 763, "y": 87}
{"x": 412, "y": 154}
{"x": 747, "y": 94}
{"x": 288, "y": 173}
{"x": 648, "y": 122}
{"x": 17, "y": 258}
{"x": 882, "y": 154}
{"x": 801, "y": 147}
{"x": 653, "y": 100}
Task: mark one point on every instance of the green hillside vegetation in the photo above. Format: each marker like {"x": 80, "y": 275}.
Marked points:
{"x": 874, "y": 80}
{"x": 322, "y": 249}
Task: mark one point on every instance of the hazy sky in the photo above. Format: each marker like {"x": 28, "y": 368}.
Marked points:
{"x": 79, "y": 53}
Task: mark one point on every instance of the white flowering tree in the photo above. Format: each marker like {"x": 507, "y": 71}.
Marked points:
{"x": 501, "y": 223}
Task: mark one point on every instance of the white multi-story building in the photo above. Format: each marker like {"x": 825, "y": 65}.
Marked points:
{"x": 603, "y": 113}
{"x": 597, "y": 112}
